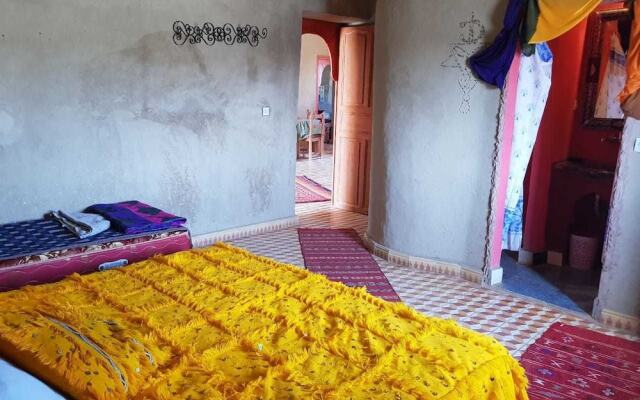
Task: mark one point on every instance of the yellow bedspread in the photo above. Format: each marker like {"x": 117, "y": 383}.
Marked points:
{"x": 222, "y": 323}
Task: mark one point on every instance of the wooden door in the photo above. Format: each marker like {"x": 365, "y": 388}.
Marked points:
{"x": 353, "y": 123}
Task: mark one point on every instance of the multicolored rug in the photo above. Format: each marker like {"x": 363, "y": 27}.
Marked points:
{"x": 340, "y": 255}
{"x": 568, "y": 362}
{"x": 309, "y": 191}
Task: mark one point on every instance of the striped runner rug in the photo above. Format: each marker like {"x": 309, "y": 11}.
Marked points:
{"x": 340, "y": 255}
{"x": 568, "y": 362}
{"x": 310, "y": 191}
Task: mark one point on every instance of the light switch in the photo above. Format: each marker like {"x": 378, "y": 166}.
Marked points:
{"x": 636, "y": 147}
{"x": 266, "y": 111}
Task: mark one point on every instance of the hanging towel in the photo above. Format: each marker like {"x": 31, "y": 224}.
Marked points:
{"x": 302, "y": 129}
{"x": 534, "y": 83}
{"x": 83, "y": 225}
{"x": 492, "y": 64}
{"x": 559, "y": 16}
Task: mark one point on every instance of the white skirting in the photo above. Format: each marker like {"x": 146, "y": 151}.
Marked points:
{"x": 208, "y": 239}
{"x": 424, "y": 264}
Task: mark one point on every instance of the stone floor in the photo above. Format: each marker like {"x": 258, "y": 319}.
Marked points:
{"x": 515, "y": 321}
{"x": 564, "y": 286}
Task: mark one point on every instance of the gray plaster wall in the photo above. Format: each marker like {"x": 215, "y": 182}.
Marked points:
{"x": 364, "y": 9}
{"x": 432, "y": 162}
{"x": 97, "y": 104}
{"x": 620, "y": 280}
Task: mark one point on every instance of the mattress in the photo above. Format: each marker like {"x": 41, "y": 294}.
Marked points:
{"x": 28, "y": 238}
{"x": 223, "y": 323}
{"x": 109, "y": 250}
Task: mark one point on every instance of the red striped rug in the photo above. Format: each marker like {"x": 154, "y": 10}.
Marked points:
{"x": 309, "y": 191}
{"x": 568, "y": 362}
{"x": 340, "y": 255}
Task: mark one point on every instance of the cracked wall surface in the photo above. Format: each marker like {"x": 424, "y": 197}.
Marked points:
{"x": 97, "y": 104}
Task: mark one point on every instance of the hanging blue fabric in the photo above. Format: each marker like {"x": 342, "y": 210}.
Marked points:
{"x": 492, "y": 64}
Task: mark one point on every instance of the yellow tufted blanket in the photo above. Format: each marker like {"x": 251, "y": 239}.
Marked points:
{"x": 222, "y": 323}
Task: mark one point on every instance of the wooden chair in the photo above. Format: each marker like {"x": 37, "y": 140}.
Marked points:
{"x": 316, "y": 135}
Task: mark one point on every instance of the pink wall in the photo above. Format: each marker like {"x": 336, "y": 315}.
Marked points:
{"x": 508, "y": 121}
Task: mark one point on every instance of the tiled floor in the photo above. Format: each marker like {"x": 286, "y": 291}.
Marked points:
{"x": 516, "y": 322}
{"x": 318, "y": 169}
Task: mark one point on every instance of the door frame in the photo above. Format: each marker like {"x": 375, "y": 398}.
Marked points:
{"x": 364, "y": 165}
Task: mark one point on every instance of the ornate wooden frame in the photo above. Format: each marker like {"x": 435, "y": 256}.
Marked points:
{"x": 591, "y": 69}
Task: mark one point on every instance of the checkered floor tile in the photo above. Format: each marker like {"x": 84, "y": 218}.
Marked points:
{"x": 514, "y": 321}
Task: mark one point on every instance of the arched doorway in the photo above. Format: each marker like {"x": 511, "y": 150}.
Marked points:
{"x": 314, "y": 126}
{"x": 342, "y": 103}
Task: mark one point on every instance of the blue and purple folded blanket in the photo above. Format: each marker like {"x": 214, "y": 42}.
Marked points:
{"x": 132, "y": 217}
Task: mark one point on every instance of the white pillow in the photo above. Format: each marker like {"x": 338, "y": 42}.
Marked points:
{"x": 16, "y": 384}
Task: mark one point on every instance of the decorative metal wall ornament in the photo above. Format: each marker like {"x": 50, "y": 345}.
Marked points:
{"x": 471, "y": 39}
{"x": 210, "y": 34}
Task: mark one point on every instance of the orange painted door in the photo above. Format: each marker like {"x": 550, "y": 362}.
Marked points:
{"x": 353, "y": 120}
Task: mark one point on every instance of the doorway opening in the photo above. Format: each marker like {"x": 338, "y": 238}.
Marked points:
{"x": 553, "y": 234}
{"x": 314, "y": 125}
{"x": 334, "y": 125}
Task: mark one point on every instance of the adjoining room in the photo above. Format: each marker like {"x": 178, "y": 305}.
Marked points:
{"x": 556, "y": 221}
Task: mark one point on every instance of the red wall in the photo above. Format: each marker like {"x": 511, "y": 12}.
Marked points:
{"x": 561, "y": 134}
{"x": 330, "y": 32}
{"x": 554, "y": 136}
{"x": 588, "y": 145}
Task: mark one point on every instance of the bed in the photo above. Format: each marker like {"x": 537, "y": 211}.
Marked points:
{"x": 221, "y": 323}
{"x": 42, "y": 251}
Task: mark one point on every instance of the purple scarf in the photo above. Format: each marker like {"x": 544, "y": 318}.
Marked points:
{"x": 492, "y": 64}
{"x": 132, "y": 217}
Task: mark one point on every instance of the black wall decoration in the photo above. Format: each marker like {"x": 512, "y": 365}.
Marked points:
{"x": 210, "y": 34}
{"x": 470, "y": 40}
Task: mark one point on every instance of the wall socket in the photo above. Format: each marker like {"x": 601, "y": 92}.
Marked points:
{"x": 636, "y": 147}
{"x": 266, "y": 111}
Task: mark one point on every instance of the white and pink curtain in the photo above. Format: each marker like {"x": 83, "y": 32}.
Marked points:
{"x": 534, "y": 83}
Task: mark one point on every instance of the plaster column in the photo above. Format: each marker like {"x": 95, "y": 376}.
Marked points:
{"x": 435, "y": 128}
{"x": 618, "y": 302}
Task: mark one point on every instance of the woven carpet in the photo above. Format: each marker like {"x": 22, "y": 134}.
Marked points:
{"x": 309, "y": 191}
{"x": 340, "y": 255}
{"x": 568, "y": 362}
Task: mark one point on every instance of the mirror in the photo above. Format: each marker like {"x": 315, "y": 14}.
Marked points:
{"x": 325, "y": 91}
{"x": 604, "y": 76}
